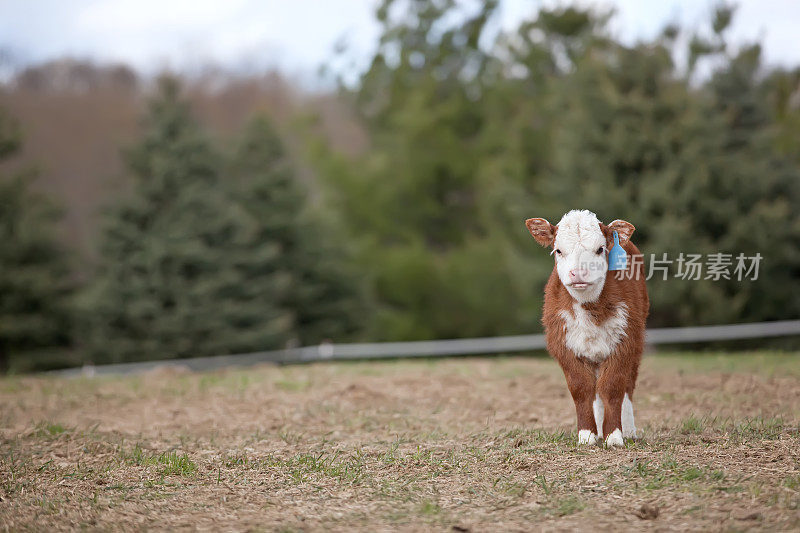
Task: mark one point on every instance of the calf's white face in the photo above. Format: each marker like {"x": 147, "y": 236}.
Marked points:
{"x": 580, "y": 245}
{"x": 580, "y": 251}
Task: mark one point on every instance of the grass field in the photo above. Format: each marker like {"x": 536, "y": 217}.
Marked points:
{"x": 450, "y": 445}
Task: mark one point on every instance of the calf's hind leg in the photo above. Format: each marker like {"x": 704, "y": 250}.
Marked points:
{"x": 628, "y": 424}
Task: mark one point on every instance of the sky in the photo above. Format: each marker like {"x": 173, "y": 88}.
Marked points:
{"x": 297, "y": 36}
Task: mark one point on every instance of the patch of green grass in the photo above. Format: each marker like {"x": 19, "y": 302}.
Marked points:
{"x": 669, "y": 472}
{"x": 208, "y": 381}
{"x": 16, "y": 470}
{"x": 792, "y": 482}
{"x": 738, "y": 431}
{"x": 567, "y": 505}
{"x": 173, "y": 463}
{"x": 237, "y": 460}
{"x": 652, "y": 475}
{"x": 692, "y": 425}
{"x": 49, "y": 430}
{"x": 232, "y": 381}
{"x": 48, "y": 505}
{"x": 347, "y": 469}
{"x": 691, "y": 473}
{"x": 292, "y": 385}
{"x": 758, "y": 428}
{"x": 119, "y": 486}
{"x": 429, "y": 508}
{"x": 717, "y": 475}
{"x": 435, "y": 461}
{"x": 546, "y": 487}
{"x": 730, "y": 489}
{"x": 530, "y": 437}
{"x": 514, "y": 488}
{"x": 168, "y": 463}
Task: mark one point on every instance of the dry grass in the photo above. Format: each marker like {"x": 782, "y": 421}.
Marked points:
{"x": 471, "y": 444}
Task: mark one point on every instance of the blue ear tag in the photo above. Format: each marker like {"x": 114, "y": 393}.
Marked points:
{"x": 617, "y": 258}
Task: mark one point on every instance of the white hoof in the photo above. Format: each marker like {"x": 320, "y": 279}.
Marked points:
{"x": 587, "y": 437}
{"x": 615, "y": 439}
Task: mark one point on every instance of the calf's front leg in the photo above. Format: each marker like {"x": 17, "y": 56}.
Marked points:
{"x": 581, "y": 383}
{"x": 611, "y": 386}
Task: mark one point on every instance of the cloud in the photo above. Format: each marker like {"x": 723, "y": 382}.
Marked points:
{"x": 299, "y": 35}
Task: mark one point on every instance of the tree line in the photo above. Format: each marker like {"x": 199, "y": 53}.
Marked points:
{"x": 218, "y": 248}
{"x": 693, "y": 140}
{"x": 214, "y": 251}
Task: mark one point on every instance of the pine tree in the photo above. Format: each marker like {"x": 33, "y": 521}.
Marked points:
{"x": 183, "y": 272}
{"x": 324, "y": 296}
{"x": 34, "y": 275}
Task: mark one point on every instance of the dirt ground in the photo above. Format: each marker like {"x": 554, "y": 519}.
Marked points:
{"x": 480, "y": 444}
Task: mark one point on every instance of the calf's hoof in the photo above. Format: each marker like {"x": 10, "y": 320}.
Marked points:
{"x": 585, "y": 436}
{"x": 615, "y": 440}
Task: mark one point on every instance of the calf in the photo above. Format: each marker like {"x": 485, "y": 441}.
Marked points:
{"x": 594, "y": 321}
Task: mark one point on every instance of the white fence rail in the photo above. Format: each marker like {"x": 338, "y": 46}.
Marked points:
{"x": 440, "y": 348}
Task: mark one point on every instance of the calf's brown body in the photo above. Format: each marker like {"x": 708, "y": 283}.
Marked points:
{"x": 612, "y": 378}
{"x": 595, "y": 331}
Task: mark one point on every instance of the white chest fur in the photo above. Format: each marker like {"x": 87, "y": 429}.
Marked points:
{"x": 590, "y": 340}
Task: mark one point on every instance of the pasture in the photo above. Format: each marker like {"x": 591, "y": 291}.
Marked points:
{"x": 474, "y": 444}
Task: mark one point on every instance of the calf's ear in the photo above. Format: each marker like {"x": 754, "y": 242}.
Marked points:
{"x": 543, "y": 231}
{"x": 624, "y": 230}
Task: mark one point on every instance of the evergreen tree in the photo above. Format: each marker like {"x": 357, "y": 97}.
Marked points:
{"x": 184, "y": 273}
{"x": 34, "y": 275}
{"x": 324, "y": 297}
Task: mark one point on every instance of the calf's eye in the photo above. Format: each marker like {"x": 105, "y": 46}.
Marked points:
{"x": 599, "y": 250}
{"x": 558, "y": 251}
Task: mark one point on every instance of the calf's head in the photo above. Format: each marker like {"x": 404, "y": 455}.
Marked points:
{"x": 580, "y": 244}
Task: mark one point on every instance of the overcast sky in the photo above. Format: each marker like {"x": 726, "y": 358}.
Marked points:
{"x": 299, "y": 35}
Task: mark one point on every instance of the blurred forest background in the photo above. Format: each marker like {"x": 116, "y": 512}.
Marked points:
{"x": 219, "y": 213}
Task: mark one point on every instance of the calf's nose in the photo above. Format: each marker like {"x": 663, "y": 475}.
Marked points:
{"x": 578, "y": 274}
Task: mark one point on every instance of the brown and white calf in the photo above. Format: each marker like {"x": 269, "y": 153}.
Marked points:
{"x": 594, "y": 321}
